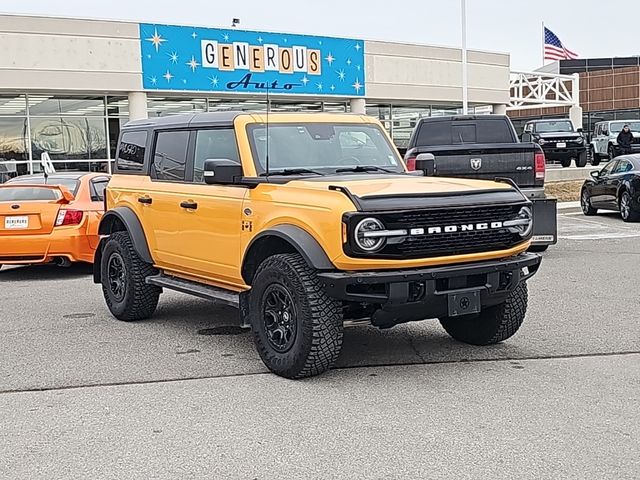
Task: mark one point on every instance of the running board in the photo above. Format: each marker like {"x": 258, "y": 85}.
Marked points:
{"x": 207, "y": 292}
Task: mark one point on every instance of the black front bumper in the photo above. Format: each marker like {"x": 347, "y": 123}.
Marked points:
{"x": 553, "y": 153}
{"x": 399, "y": 296}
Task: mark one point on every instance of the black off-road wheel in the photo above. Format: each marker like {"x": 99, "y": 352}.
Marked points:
{"x": 565, "y": 162}
{"x": 493, "y": 324}
{"x": 123, "y": 273}
{"x": 297, "y": 328}
{"x": 595, "y": 158}
{"x": 581, "y": 161}
{"x": 612, "y": 152}
{"x": 627, "y": 212}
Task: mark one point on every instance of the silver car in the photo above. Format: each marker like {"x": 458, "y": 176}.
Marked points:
{"x": 603, "y": 140}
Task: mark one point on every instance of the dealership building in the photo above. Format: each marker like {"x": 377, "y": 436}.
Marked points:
{"x": 68, "y": 85}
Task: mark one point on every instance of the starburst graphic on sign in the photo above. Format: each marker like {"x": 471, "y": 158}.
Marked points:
{"x": 349, "y": 62}
{"x": 194, "y": 35}
{"x": 319, "y": 85}
{"x": 184, "y": 80}
{"x": 332, "y": 87}
{"x": 358, "y": 67}
{"x": 148, "y": 55}
{"x": 260, "y": 39}
{"x": 156, "y": 40}
{"x": 153, "y": 80}
{"x": 173, "y": 56}
{"x": 214, "y": 81}
{"x": 225, "y": 37}
{"x": 330, "y": 59}
{"x": 357, "y": 47}
{"x": 167, "y": 76}
{"x": 341, "y": 75}
{"x": 193, "y": 64}
{"x": 357, "y": 85}
{"x": 304, "y": 80}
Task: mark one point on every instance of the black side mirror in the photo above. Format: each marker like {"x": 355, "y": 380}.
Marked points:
{"x": 580, "y": 130}
{"x": 427, "y": 163}
{"x": 222, "y": 171}
{"x": 526, "y": 137}
{"x": 595, "y": 174}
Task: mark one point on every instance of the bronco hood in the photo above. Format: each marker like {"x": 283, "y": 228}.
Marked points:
{"x": 388, "y": 192}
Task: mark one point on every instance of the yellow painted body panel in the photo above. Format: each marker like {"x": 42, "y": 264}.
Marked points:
{"x": 210, "y": 243}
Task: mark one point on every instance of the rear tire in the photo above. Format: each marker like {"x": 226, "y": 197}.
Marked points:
{"x": 585, "y": 204}
{"x": 493, "y": 324}
{"x": 626, "y": 210}
{"x": 595, "y": 158}
{"x": 581, "y": 161}
{"x": 124, "y": 286}
{"x": 565, "y": 162}
{"x": 297, "y": 328}
{"x": 612, "y": 152}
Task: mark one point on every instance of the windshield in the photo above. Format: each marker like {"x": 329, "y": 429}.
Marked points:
{"x": 19, "y": 194}
{"x": 558, "y": 126}
{"x": 322, "y": 148}
{"x": 617, "y": 127}
{"x": 71, "y": 183}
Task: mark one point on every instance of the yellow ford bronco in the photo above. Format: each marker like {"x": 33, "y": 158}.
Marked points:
{"x": 305, "y": 222}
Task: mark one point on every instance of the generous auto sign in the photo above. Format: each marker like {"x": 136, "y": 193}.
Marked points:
{"x": 212, "y": 59}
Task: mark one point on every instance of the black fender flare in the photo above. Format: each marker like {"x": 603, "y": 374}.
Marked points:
{"x": 301, "y": 241}
{"x": 111, "y": 222}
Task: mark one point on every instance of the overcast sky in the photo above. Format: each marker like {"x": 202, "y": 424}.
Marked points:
{"x": 591, "y": 28}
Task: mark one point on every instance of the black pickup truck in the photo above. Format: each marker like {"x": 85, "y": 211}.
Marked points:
{"x": 485, "y": 147}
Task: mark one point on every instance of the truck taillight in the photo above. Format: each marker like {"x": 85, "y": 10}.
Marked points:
{"x": 539, "y": 165}
{"x": 410, "y": 161}
{"x": 69, "y": 217}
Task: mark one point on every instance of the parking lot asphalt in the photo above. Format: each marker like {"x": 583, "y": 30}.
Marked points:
{"x": 85, "y": 396}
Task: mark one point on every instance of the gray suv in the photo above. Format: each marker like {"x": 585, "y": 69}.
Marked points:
{"x": 604, "y": 142}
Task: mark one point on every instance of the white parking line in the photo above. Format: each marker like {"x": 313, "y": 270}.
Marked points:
{"x": 572, "y": 226}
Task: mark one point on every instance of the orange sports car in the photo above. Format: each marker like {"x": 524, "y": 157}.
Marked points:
{"x": 51, "y": 220}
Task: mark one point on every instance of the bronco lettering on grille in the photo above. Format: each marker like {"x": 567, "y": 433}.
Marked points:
{"x": 467, "y": 227}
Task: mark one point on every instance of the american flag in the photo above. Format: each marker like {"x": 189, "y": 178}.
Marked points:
{"x": 554, "y": 49}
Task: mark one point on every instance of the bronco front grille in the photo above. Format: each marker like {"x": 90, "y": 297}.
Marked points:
{"x": 445, "y": 244}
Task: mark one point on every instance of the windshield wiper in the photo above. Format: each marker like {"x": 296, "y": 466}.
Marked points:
{"x": 364, "y": 168}
{"x": 292, "y": 171}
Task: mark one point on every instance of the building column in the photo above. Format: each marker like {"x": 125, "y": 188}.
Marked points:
{"x": 358, "y": 105}
{"x": 575, "y": 114}
{"x": 500, "y": 109}
{"x": 138, "y": 106}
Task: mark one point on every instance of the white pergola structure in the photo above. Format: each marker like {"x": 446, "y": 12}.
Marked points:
{"x": 530, "y": 90}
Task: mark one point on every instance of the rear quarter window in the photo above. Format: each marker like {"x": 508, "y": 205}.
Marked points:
{"x": 131, "y": 150}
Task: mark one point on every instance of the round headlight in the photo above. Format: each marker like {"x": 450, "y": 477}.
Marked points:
{"x": 524, "y": 229}
{"x": 366, "y": 242}
{"x": 541, "y": 141}
{"x": 579, "y": 140}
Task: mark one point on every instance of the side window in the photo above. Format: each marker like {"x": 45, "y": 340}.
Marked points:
{"x": 214, "y": 144}
{"x": 98, "y": 186}
{"x": 607, "y": 168}
{"x": 623, "y": 166}
{"x": 170, "y": 156}
{"x": 130, "y": 155}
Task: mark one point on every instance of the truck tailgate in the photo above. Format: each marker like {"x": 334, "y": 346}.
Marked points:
{"x": 485, "y": 161}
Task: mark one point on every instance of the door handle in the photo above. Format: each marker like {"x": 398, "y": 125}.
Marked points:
{"x": 145, "y": 200}
{"x": 189, "y": 205}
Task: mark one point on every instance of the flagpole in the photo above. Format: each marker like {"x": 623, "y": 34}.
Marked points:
{"x": 543, "y": 43}
{"x": 465, "y": 87}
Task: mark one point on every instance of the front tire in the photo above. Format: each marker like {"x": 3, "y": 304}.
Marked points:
{"x": 493, "y": 324}
{"x": 565, "y": 162}
{"x": 297, "y": 328}
{"x": 581, "y": 161}
{"x": 612, "y": 152}
{"x": 626, "y": 210}
{"x": 124, "y": 286}
{"x": 595, "y": 158}
{"x": 585, "y": 204}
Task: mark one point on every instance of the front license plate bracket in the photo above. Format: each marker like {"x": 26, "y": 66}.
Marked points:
{"x": 464, "y": 303}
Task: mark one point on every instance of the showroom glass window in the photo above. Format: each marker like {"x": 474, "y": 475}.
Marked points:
{"x": 14, "y": 150}
{"x": 72, "y": 130}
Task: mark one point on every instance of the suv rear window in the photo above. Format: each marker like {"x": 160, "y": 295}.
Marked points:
{"x": 460, "y": 132}
{"x": 131, "y": 151}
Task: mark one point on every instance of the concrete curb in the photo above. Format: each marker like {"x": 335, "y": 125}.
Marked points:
{"x": 565, "y": 205}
